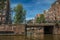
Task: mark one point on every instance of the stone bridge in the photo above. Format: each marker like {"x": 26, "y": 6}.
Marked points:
{"x": 44, "y": 28}
{"x": 48, "y": 28}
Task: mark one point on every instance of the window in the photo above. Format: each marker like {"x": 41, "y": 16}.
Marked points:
{"x": 4, "y": 13}
{"x": 0, "y": 2}
{"x": 0, "y": 13}
{"x": 0, "y": 18}
{"x": 54, "y": 9}
{"x": 3, "y": 18}
{"x": 5, "y": 2}
{"x": 5, "y": 7}
{"x": 57, "y": 2}
{"x": 58, "y": 7}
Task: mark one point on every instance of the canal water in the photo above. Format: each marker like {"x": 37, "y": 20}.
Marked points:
{"x": 19, "y": 37}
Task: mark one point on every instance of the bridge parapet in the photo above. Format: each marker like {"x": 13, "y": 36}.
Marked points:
{"x": 16, "y": 28}
{"x": 6, "y": 28}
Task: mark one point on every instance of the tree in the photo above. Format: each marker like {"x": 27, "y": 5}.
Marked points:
{"x": 20, "y": 14}
{"x": 2, "y": 4}
{"x": 40, "y": 19}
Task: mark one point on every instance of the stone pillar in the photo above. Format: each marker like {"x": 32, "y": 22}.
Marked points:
{"x": 56, "y": 30}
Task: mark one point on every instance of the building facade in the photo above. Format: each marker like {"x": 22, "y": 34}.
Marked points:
{"x": 5, "y": 16}
{"x": 53, "y": 14}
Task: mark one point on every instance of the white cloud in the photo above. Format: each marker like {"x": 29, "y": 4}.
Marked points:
{"x": 29, "y": 18}
{"x": 13, "y": 5}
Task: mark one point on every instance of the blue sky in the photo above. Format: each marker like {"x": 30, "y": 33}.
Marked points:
{"x": 33, "y": 7}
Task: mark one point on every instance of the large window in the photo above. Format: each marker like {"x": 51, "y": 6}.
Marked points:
{"x": 4, "y": 12}
{"x": 0, "y": 6}
{"x": 5, "y": 7}
{"x": 0, "y": 13}
{"x": 0, "y": 18}
{"x": 3, "y": 18}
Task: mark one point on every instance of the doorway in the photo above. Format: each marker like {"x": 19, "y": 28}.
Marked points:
{"x": 48, "y": 29}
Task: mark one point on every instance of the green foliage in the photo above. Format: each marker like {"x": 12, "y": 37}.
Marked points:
{"x": 2, "y": 4}
{"x": 20, "y": 14}
{"x": 40, "y": 19}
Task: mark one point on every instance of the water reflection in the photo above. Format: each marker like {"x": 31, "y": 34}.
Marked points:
{"x": 19, "y": 37}
{"x": 51, "y": 37}
{"x": 48, "y": 37}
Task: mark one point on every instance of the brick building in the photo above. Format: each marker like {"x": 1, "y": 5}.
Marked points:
{"x": 46, "y": 14}
{"x": 53, "y": 13}
{"x": 5, "y": 16}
